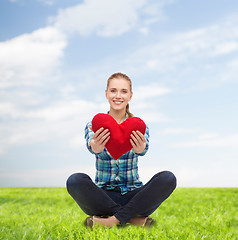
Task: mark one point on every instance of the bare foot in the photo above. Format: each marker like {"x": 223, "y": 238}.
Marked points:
{"x": 107, "y": 222}
{"x": 138, "y": 221}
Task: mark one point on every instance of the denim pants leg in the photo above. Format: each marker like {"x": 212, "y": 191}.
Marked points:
{"x": 142, "y": 201}
{"x": 149, "y": 197}
{"x": 90, "y": 198}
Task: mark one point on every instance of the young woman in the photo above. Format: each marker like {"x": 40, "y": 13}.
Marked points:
{"x": 118, "y": 196}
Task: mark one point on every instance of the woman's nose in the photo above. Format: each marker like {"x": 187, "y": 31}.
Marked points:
{"x": 118, "y": 95}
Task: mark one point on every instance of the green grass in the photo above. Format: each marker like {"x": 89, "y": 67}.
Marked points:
{"x": 50, "y": 213}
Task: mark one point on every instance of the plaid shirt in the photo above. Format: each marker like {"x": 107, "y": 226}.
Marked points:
{"x": 121, "y": 173}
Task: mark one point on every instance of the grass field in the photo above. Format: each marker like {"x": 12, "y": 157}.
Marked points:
{"x": 50, "y": 213}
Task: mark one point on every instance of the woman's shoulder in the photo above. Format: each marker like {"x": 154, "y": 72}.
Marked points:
{"x": 88, "y": 125}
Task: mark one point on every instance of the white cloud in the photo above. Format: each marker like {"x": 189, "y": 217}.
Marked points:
{"x": 48, "y": 2}
{"x": 196, "y": 57}
{"x": 58, "y": 120}
{"x": 190, "y": 176}
{"x": 64, "y": 110}
{"x": 208, "y": 136}
{"x": 77, "y": 141}
{"x": 187, "y": 51}
{"x": 230, "y": 71}
{"x": 144, "y": 30}
{"x": 143, "y": 102}
{"x": 233, "y": 64}
{"x": 173, "y": 131}
{"x": 108, "y": 18}
{"x": 55, "y": 177}
{"x": 225, "y": 47}
{"x": 153, "y": 117}
{"x": 149, "y": 91}
{"x": 9, "y": 110}
{"x": 30, "y": 58}
{"x": 209, "y": 140}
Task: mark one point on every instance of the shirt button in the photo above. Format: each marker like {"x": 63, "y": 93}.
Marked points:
{"x": 117, "y": 178}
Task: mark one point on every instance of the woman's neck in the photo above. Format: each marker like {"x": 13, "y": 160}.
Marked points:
{"x": 119, "y": 116}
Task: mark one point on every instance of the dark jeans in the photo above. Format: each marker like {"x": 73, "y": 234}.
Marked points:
{"x": 139, "y": 202}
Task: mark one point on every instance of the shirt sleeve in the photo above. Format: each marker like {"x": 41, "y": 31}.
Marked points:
{"x": 147, "y": 136}
{"x": 88, "y": 136}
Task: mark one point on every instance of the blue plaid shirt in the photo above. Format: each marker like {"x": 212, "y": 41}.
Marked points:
{"x": 121, "y": 173}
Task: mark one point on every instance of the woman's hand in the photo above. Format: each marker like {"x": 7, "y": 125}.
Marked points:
{"x": 99, "y": 140}
{"x": 138, "y": 141}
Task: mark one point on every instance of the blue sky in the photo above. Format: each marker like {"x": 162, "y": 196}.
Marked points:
{"x": 55, "y": 58}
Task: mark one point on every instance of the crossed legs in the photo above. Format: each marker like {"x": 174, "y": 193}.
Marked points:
{"x": 140, "y": 202}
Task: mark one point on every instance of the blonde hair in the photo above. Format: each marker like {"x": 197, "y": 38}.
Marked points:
{"x": 124, "y": 76}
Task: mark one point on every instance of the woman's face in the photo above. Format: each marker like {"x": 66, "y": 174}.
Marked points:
{"x": 118, "y": 93}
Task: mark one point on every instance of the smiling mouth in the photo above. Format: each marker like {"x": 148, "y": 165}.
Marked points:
{"x": 118, "y": 102}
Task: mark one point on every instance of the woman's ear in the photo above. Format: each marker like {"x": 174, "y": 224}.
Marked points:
{"x": 106, "y": 93}
{"x": 131, "y": 95}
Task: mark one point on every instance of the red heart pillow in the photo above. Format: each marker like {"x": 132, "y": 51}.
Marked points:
{"x": 119, "y": 142}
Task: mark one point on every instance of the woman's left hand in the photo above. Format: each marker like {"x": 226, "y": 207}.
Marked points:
{"x": 138, "y": 141}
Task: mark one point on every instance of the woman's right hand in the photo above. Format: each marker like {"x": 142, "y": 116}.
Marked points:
{"x": 99, "y": 140}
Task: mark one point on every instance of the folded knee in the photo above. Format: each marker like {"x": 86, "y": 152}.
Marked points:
{"x": 172, "y": 181}
{"x": 168, "y": 178}
{"x": 76, "y": 179}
